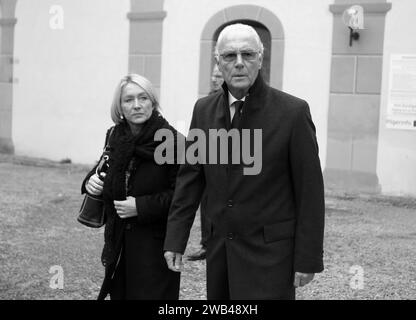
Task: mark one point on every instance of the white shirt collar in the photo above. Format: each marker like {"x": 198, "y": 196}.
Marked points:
{"x": 232, "y": 99}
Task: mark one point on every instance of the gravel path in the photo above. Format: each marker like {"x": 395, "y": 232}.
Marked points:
{"x": 369, "y": 241}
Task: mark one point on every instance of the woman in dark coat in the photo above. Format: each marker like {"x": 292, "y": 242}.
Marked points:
{"x": 137, "y": 193}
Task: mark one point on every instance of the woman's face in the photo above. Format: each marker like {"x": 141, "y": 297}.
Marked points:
{"x": 135, "y": 105}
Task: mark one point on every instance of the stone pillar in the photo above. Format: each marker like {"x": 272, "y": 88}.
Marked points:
{"x": 146, "y": 30}
{"x": 354, "y": 102}
{"x": 7, "y": 24}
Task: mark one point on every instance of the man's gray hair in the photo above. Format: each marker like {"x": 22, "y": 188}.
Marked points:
{"x": 239, "y": 27}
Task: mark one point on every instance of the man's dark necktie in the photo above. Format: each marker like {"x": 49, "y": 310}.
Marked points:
{"x": 235, "y": 123}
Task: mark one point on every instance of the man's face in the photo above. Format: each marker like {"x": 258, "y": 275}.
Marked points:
{"x": 239, "y": 61}
{"x": 216, "y": 79}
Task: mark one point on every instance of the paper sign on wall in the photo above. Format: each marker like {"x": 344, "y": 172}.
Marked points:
{"x": 401, "y": 105}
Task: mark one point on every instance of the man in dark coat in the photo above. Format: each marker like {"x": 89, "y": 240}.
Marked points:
{"x": 265, "y": 228}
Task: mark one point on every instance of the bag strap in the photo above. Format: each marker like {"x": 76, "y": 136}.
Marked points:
{"x": 106, "y": 152}
{"x": 107, "y": 141}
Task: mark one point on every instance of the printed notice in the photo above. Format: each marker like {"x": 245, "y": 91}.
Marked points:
{"x": 401, "y": 105}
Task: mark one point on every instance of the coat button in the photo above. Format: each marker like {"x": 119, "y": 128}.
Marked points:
{"x": 230, "y": 236}
{"x": 128, "y": 226}
{"x": 230, "y": 203}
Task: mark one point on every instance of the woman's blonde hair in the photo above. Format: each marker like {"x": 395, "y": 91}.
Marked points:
{"x": 142, "y": 82}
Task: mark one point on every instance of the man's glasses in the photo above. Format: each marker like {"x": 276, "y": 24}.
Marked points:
{"x": 248, "y": 55}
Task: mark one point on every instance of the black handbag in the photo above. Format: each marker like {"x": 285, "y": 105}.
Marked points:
{"x": 92, "y": 212}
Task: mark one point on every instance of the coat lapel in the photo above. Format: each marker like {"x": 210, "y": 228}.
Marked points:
{"x": 222, "y": 119}
{"x": 255, "y": 100}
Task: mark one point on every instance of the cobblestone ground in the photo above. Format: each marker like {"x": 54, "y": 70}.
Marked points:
{"x": 369, "y": 241}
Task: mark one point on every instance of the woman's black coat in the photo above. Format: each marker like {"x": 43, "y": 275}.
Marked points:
{"x": 142, "y": 272}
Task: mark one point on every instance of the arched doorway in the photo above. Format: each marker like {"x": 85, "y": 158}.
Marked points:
{"x": 270, "y": 31}
{"x": 265, "y": 37}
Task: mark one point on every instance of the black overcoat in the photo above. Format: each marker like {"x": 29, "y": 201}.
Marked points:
{"x": 262, "y": 227}
{"x": 142, "y": 272}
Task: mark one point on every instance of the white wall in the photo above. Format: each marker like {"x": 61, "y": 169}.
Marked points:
{"x": 66, "y": 77}
{"x": 308, "y": 34}
{"x": 1, "y": 16}
{"x": 396, "y": 165}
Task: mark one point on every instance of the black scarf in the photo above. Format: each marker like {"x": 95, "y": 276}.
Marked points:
{"x": 126, "y": 149}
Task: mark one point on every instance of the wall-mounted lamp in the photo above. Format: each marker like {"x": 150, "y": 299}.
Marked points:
{"x": 353, "y": 18}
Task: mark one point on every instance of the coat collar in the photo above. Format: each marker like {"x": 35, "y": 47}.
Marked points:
{"x": 254, "y": 100}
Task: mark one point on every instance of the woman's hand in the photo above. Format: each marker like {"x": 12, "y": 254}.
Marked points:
{"x": 95, "y": 185}
{"x": 127, "y": 208}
